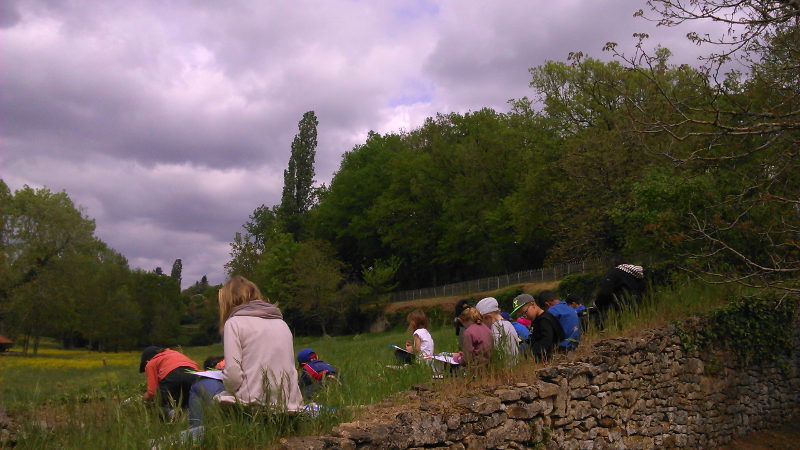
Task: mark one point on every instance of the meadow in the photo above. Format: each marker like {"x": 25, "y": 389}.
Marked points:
{"x": 82, "y": 399}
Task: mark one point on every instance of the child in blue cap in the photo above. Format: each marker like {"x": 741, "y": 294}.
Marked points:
{"x": 314, "y": 372}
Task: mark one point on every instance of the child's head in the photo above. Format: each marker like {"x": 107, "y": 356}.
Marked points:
{"x": 573, "y": 300}
{"x": 214, "y": 363}
{"x": 147, "y": 355}
{"x": 417, "y": 319}
{"x": 306, "y": 355}
{"x": 470, "y": 315}
{"x": 489, "y": 308}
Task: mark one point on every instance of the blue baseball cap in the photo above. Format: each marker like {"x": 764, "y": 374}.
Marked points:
{"x": 305, "y": 355}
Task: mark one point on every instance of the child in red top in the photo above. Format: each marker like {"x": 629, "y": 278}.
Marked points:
{"x": 166, "y": 371}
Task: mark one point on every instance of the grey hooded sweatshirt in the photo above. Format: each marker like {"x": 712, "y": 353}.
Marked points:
{"x": 259, "y": 358}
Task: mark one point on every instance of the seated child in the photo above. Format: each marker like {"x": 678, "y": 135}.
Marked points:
{"x": 423, "y": 341}
{"x": 477, "y": 343}
{"x": 505, "y": 336}
{"x": 314, "y": 372}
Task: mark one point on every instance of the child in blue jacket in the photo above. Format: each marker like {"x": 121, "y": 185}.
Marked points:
{"x": 314, "y": 372}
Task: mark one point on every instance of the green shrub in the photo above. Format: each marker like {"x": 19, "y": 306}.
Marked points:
{"x": 437, "y": 317}
{"x": 506, "y": 298}
{"x": 583, "y": 285}
{"x": 756, "y": 329}
{"x": 662, "y": 273}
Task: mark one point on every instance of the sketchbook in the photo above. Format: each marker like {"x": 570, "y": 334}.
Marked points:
{"x": 215, "y": 374}
{"x": 401, "y": 349}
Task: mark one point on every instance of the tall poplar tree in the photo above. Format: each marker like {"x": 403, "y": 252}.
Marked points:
{"x": 297, "y": 197}
{"x": 177, "y": 268}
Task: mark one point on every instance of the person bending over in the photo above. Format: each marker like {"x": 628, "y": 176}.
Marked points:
{"x": 167, "y": 374}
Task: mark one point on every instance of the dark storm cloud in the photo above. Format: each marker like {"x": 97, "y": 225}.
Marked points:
{"x": 171, "y": 121}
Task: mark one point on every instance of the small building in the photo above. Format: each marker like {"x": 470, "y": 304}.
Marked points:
{"x": 5, "y": 343}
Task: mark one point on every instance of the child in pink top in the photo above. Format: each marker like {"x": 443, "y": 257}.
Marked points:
{"x": 477, "y": 344}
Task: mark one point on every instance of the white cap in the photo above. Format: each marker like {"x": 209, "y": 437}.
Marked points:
{"x": 487, "y": 305}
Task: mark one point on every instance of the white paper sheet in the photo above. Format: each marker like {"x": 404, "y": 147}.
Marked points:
{"x": 215, "y": 374}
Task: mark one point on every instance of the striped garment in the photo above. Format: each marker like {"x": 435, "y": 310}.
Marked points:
{"x": 636, "y": 271}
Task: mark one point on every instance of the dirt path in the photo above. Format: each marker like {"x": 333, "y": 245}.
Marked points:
{"x": 784, "y": 437}
{"x": 448, "y": 303}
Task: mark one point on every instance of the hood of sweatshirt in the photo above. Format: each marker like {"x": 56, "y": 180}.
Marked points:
{"x": 258, "y": 308}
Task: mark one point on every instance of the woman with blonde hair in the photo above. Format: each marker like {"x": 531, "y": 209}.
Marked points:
{"x": 259, "y": 356}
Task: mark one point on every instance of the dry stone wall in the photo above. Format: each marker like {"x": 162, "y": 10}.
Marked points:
{"x": 642, "y": 392}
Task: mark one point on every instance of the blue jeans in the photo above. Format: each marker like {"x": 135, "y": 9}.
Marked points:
{"x": 200, "y": 396}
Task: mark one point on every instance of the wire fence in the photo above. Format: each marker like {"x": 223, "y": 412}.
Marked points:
{"x": 553, "y": 273}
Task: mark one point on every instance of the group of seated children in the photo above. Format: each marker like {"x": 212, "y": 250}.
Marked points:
{"x": 543, "y": 325}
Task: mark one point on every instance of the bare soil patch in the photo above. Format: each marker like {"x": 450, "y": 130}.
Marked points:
{"x": 784, "y": 437}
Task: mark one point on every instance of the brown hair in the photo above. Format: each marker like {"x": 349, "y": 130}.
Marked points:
{"x": 471, "y": 314}
{"x": 417, "y": 319}
{"x": 237, "y": 291}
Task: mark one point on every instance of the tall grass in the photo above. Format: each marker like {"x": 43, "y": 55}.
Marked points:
{"x": 76, "y": 399}
{"x": 660, "y": 306}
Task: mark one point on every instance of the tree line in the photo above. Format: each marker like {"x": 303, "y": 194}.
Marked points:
{"x": 693, "y": 165}
{"x": 57, "y": 279}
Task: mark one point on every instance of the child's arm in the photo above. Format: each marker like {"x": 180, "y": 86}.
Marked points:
{"x": 151, "y": 371}
{"x": 414, "y": 348}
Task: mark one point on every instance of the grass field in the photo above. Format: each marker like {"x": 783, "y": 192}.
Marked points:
{"x": 80, "y": 399}
{"x": 68, "y": 398}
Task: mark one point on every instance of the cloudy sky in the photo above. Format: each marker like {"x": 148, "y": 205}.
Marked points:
{"x": 170, "y": 121}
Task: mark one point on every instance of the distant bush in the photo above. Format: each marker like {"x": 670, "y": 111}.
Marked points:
{"x": 506, "y": 298}
{"x": 661, "y": 273}
{"x": 583, "y": 285}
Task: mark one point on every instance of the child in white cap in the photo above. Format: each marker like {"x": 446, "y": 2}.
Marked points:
{"x": 503, "y": 332}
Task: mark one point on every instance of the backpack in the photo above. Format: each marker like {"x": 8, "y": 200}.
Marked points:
{"x": 568, "y": 319}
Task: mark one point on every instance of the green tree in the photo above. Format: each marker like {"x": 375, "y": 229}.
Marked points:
{"x": 42, "y": 235}
{"x": 273, "y": 273}
{"x": 177, "y": 268}
{"x": 317, "y": 277}
{"x": 298, "y": 179}
{"x": 158, "y": 298}
{"x": 108, "y": 317}
{"x": 742, "y": 128}
{"x": 343, "y": 217}
{"x": 246, "y": 249}
{"x": 594, "y": 162}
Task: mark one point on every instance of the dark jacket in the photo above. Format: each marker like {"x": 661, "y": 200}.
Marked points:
{"x": 617, "y": 286}
{"x": 545, "y": 335}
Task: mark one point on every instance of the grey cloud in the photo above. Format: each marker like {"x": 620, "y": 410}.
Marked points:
{"x": 8, "y": 14}
{"x": 172, "y": 121}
